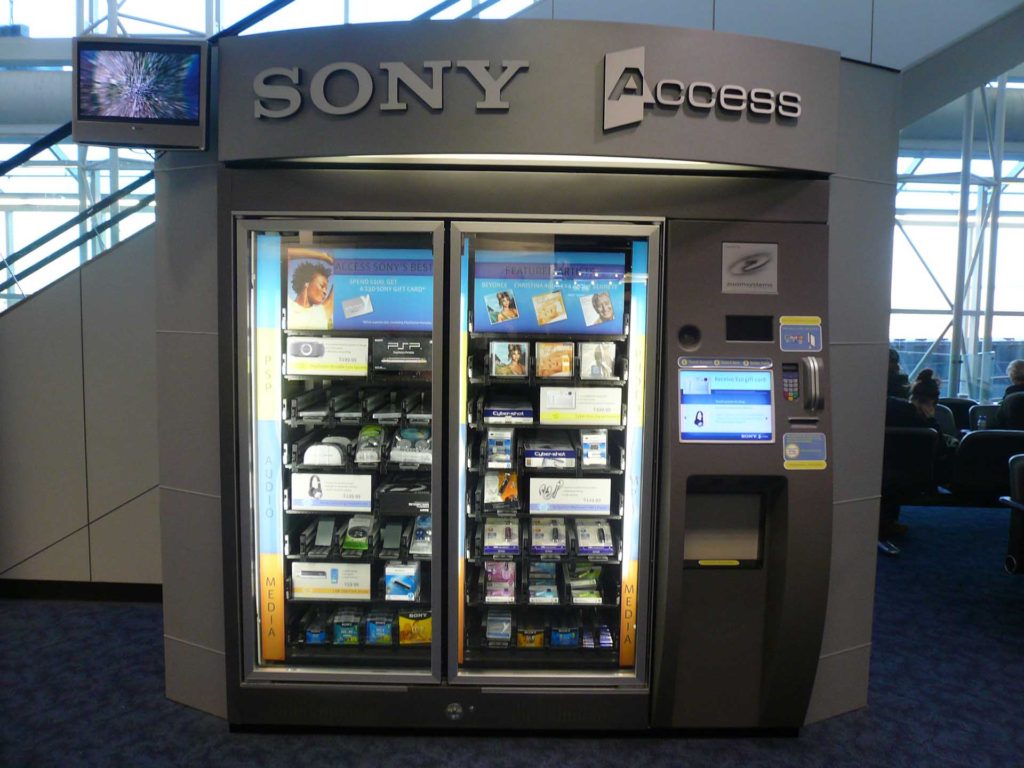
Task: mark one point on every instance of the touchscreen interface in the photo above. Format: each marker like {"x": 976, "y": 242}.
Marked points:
{"x": 725, "y": 406}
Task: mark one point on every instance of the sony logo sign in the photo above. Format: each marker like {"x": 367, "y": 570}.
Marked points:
{"x": 627, "y": 93}
{"x": 278, "y": 93}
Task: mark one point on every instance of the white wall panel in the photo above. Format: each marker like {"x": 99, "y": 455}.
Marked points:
{"x": 840, "y": 25}
{"x": 908, "y": 30}
{"x": 696, "y": 14}
{"x": 544, "y": 10}
{"x": 66, "y": 560}
{"x": 42, "y": 427}
{"x": 119, "y": 369}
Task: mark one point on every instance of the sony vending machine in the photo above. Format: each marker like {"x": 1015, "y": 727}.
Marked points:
{"x": 551, "y": 442}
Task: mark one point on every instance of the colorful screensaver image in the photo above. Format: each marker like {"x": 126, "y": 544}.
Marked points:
{"x": 144, "y": 85}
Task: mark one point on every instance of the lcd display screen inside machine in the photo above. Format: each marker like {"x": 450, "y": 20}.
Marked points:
{"x": 725, "y": 406}
{"x": 140, "y": 93}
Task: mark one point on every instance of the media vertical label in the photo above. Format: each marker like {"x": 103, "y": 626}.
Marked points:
{"x": 627, "y": 619}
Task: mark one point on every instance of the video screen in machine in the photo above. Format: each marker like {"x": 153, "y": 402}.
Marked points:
{"x": 725, "y": 406}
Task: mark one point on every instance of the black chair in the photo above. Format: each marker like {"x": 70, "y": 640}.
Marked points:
{"x": 1015, "y": 501}
{"x": 908, "y": 463}
{"x": 961, "y": 408}
{"x": 979, "y": 412}
{"x": 981, "y": 468}
{"x": 944, "y": 416}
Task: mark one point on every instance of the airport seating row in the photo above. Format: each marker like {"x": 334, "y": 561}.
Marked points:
{"x": 987, "y": 470}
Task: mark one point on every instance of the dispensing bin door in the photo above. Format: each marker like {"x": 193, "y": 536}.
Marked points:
{"x": 553, "y": 334}
{"x": 339, "y": 366}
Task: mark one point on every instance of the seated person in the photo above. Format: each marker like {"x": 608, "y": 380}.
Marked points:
{"x": 1015, "y": 372}
{"x": 897, "y": 385}
{"x": 1010, "y": 414}
{"x": 919, "y": 412}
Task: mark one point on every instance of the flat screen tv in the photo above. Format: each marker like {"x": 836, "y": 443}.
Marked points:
{"x": 140, "y": 92}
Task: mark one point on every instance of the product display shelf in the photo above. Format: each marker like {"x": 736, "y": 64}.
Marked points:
{"x": 476, "y": 553}
{"x": 478, "y": 557}
{"x": 532, "y": 337}
{"x": 523, "y": 601}
{"x": 395, "y": 655}
{"x": 378, "y": 600}
{"x": 524, "y": 515}
{"x": 481, "y": 425}
{"x": 476, "y": 507}
{"x": 371, "y": 378}
{"x": 476, "y": 597}
{"x": 545, "y": 659}
{"x": 476, "y": 459}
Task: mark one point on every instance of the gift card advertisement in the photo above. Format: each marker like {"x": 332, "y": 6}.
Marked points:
{"x": 360, "y": 289}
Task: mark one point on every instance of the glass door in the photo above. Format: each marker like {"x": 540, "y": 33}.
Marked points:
{"x": 341, "y": 364}
{"x": 551, "y": 451}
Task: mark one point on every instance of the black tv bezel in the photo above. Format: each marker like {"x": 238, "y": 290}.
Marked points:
{"x": 141, "y": 133}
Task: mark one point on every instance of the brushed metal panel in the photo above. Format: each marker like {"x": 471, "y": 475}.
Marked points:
{"x": 188, "y": 408}
{"x": 190, "y": 539}
{"x": 841, "y": 685}
{"x": 186, "y": 247}
{"x": 125, "y": 544}
{"x": 194, "y": 677}
{"x": 851, "y": 589}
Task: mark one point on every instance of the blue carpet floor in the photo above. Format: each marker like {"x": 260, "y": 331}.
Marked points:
{"x": 81, "y": 684}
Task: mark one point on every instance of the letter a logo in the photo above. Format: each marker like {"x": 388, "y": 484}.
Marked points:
{"x": 625, "y": 88}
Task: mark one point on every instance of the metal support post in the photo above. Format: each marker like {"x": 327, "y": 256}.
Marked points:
{"x": 998, "y": 143}
{"x": 956, "y": 344}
